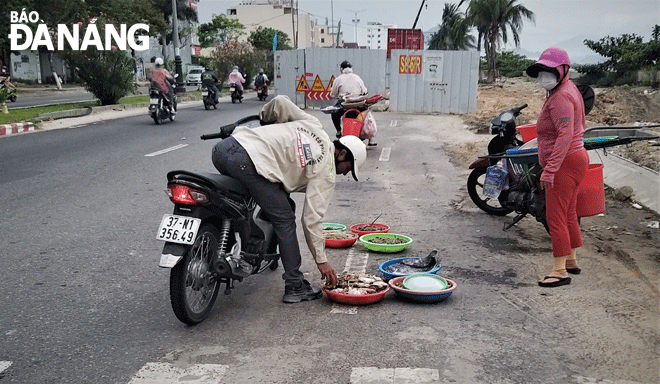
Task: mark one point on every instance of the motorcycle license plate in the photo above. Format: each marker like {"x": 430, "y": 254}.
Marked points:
{"x": 153, "y": 101}
{"x": 232, "y": 89}
{"x": 205, "y": 93}
{"x": 178, "y": 229}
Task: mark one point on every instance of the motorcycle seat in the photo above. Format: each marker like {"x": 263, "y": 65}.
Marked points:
{"x": 214, "y": 180}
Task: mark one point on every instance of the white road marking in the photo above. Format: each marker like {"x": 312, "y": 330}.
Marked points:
{"x": 166, "y": 373}
{"x": 373, "y": 375}
{"x": 394, "y": 123}
{"x": 385, "y": 154}
{"x": 355, "y": 263}
{"x": 4, "y": 365}
{"x": 174, "y": 148}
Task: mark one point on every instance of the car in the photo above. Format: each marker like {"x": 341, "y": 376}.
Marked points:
{"x": 194, "y": 77}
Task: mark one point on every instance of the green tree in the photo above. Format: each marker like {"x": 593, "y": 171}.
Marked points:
{"x": 262, "y": 38}
{"x": 220, "y": 30}
{"x": 454, "y": 31}
{"x": 513, "y": 64}
{"x": 225, "y": 56}
{"x": 183, "y": 13}
{"x": 495, "y": 20}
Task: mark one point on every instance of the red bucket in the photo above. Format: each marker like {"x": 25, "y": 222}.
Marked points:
{"x": 591, "y": 193}
{"x": 351, "y": 123}
{"x": 528, "y": 132}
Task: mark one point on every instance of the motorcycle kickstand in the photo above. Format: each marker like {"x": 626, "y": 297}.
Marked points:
{"x": 229, "y": 285}
{"x": 514, "y": 221}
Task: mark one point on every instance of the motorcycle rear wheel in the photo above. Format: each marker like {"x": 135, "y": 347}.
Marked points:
{"x": 475, "y": 186}
{"x": 193, "y": 290}
{"x": 207, "y": 106}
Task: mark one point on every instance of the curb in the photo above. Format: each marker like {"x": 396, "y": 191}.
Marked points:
{"x": 9, "y": 129}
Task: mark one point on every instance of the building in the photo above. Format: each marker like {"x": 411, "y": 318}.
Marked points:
{"x": 276, "y": 14}
{"x": 325, "y": 36}
{"x": 377, "y": 34}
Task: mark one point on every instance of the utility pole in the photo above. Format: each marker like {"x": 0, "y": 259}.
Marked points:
{"x": 332, "y": 20}
{"x": 177, "y": 55}
{"x": 356, "y": 21}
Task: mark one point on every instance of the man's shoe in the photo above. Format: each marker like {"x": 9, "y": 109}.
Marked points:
{"x": 305, "y": 292}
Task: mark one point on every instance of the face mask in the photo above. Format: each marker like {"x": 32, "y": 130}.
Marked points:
{"x": 547, "y": 80}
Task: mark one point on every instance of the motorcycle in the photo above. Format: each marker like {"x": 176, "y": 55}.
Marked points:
{"x": 235, "y": 94}
{"x": 262, "y": 92}
{"x": 159, "y": 104}
{"x": 208, "y": 97}
{"x": 504, "y": 128}
{"x": 216, "y": 235}
{"x": 350, "y": 108}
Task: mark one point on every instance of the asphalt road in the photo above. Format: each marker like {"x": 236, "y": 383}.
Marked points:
{"x": 85, "y": 301}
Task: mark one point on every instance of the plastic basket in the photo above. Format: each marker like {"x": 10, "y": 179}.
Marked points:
{"x": 591, "y": 193}
{"x": 528, "y": 132}
{"x": 351, "y": 123}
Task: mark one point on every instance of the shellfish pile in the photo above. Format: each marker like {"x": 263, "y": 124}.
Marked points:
{"x": 359, "y": 284}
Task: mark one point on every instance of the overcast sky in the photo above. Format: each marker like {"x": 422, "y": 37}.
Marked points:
{"x": 558, "y": 22}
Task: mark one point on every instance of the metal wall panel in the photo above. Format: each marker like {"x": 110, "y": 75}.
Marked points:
{"x": 451, "y": 89}
{"x": 443, "y": 82}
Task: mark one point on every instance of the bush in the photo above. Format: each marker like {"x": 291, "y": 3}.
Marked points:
{"x": 108, "y": 75}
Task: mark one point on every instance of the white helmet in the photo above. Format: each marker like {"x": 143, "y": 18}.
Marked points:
{"x": 357, "y": 149}
{"x": 158, "y": 62}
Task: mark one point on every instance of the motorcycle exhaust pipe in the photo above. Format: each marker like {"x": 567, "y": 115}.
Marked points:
{"x": 226, "y": 266}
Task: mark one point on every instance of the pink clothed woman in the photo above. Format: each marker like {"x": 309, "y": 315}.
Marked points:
{"x": 560, "y": 128}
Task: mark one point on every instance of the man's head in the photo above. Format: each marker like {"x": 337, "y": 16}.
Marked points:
{"x": 261, "y": 71}
{"x": 235, "y": 67}
{"x": 345, "y": 64}
{"x": 158, "y": 63}
{"x": 350, "y": 155}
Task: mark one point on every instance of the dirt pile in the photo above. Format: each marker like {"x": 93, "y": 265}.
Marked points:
{"x": 623, "y": 105}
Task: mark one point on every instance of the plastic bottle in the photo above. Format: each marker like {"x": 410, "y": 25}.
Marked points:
{"x": 495, "y": 180}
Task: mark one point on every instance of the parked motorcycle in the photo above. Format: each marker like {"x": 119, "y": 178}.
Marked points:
{"x": 216, "y": 235}
{"x": 504, "y": 128}
{"x": 350, "y": 108}
{"x": 262, "y": 92}
{"x": 159, "y": 104}
{"x": 236, "y": 95}
{"x": 208, "y": 97}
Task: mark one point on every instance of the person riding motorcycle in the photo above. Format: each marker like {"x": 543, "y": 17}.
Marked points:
{"x": 209, "y": 80}
{"x": 261, "y": 81}
{"x": 5, "y": 79}
{"x": 162, "y": 80}
{"x": 348, "y": 84}
{"x": 293, "y": 154}
{"x": 237, "y": 79}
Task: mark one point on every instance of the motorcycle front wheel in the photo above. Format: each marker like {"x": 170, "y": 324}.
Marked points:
{"x": 12, "y": 98}
{"x": 193, "y": 290}
{"x": 475, "y": 186}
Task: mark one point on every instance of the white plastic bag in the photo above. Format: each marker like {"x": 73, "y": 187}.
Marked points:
{"x": 369, "y": 128}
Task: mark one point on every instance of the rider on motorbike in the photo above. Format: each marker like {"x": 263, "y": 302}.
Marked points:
{"x": 260, "y": 158}
{"x": 237, "y": 79}
{"x": 5, "y": 78}
{"x": 348, "y": 84}
{"x": 209, "y": 79}
{"x": 261, "y": 80}
{"x": 164, "y": 81}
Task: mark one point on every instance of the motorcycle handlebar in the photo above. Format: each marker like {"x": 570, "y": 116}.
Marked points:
{"x": 518, "y": 109}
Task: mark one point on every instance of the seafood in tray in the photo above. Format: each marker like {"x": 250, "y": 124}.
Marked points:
{"x": 359, "y": 284}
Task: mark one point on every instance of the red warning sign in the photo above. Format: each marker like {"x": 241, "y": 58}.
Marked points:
{"x": 302, "y": 85}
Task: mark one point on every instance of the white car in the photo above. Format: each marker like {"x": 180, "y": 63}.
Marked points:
{"x": 194, "y": 77}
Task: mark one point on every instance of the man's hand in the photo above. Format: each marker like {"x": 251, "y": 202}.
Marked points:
{"x": 328, "y": 274}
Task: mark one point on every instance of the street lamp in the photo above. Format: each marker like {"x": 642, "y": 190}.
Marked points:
{"x": 356, "y": 21}
{"x": 177, "y": 55}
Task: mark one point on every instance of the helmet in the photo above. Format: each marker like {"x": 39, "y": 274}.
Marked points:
{"x": 261, "y": 70}
{"x": 158, "y": 62}
{"x": 207, "y": 68}
{"x": 345, "y": 64}
{"x": 235, "y": 66}
{"x": 551, "y": 58}
{"x": 359, "y": 151}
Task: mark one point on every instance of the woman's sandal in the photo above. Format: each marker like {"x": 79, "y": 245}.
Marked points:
{"x": 559, "y": 281}
{"x": 574, "y": 271}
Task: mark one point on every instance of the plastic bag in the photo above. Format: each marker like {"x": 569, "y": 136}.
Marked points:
{"x": 369, "y": 128}
{"x": 496, "y": 179}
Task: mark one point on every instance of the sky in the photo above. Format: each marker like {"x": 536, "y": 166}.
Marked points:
{"x": 564, "y": 23}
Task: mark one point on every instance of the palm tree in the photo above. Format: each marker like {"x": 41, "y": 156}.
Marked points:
{"x": 454, "y": 30}
{"x": 494, "y": 20}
